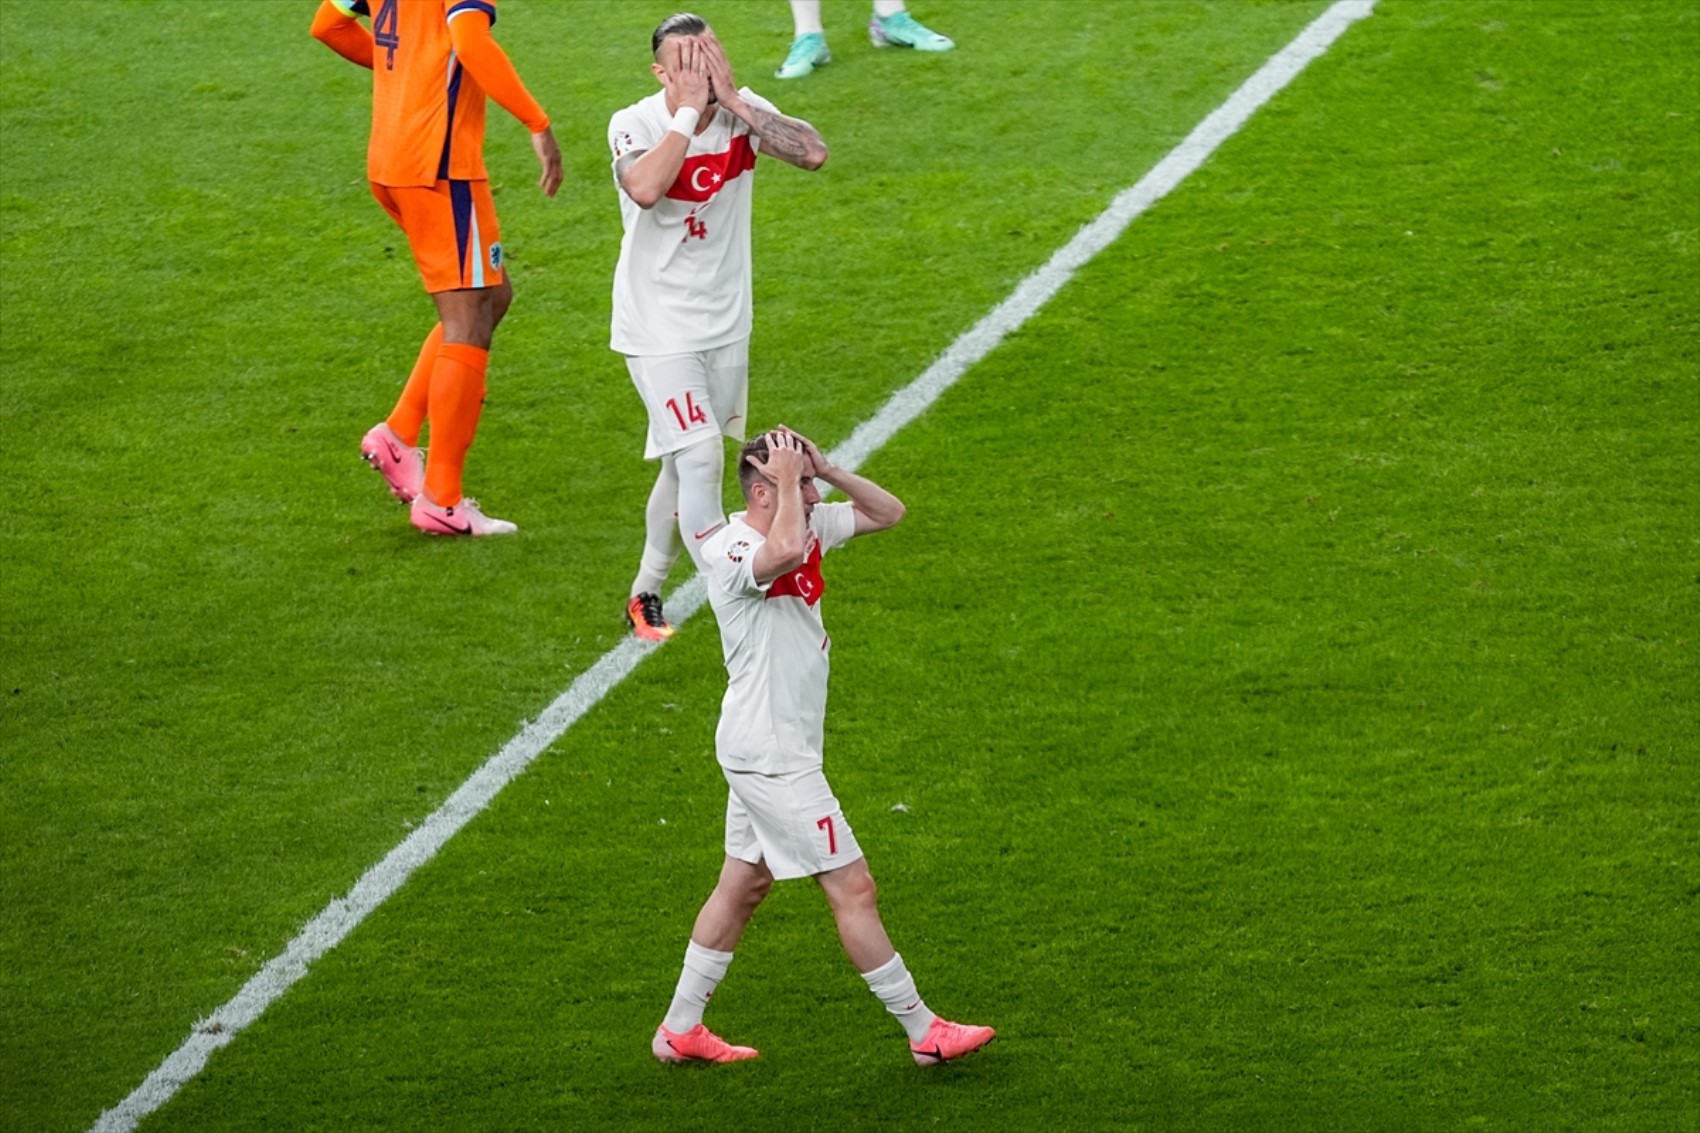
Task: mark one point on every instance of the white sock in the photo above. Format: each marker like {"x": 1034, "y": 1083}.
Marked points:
{"x": 805, "y": 16}
{"x": 885, "y": 9}
{"x": 661, "y": 543}
{"x": 895, "y": 987}
{"x": 704, "y": 969}
{"x": 699, "y": 469}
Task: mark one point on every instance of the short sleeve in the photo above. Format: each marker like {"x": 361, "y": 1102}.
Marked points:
{"x": 833, "y": 524}
{"x": 461, "y": 7}
{"x": 628, "y": 133}
{"x": 730, "y": 561}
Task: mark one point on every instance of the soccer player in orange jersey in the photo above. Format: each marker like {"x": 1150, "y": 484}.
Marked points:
{"x": 433, "y": 62}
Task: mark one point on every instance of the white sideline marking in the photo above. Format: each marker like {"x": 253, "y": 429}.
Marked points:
{"x": 339, "y": 918}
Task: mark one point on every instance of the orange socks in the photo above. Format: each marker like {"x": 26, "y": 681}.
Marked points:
{"x": 447, "y": 386}
{"x": 409, "y": 413}
{"x": 456, "y": 400}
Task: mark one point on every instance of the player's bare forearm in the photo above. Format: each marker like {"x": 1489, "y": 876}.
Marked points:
{"x": 791, "y": 140}
{"x": 876, "y": 508}
{"x": 788, "y": 463}
{"x": 787, "y": 538}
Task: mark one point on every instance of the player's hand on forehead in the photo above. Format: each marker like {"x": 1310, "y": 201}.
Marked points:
{"x": 714, "y": 61}
{"x": 689, "y": 53}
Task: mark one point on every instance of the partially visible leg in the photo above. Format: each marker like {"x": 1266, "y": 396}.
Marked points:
{"x": 457, "y": 402}
{"x": 893, "y": 26}
{"x": 661, "y": 543}
{"x": 458, "y": 384}
{"x": 408, "y": 416}
{"x": 853, "y": 896}
{"x": 469, "y": 315}
{"x": 501, "y": 298}
{"x": 808, "y": 41}
{"x": 741, "y": 888}
{"x": 719, "y": 926}
{"x": 805, "y": 17}
{"x": 391, "y": 446}
{"x": 457, "y": 388}
{"x": 677, "y": 391}
{"x": 453, "y": 232}
{"x": 854, "y": 899}
{"x": 661, "y": 546}
{"x": 702, "y": 509}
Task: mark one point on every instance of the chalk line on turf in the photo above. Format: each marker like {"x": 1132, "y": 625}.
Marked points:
{"x": 326, "y": 930}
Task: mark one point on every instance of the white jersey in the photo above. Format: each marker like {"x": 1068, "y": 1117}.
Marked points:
{"x": 683, "y": 280}
{"x": 776, "y": 647}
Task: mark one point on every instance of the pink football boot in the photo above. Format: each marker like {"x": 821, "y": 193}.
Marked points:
{"x": 946, "y": 1040}
{"x": 463, "y": 518}
{"x": 699, "y": 1044}
{"x": 403, "y": 465}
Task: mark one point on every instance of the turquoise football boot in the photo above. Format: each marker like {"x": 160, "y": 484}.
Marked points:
{"x": 807, "y": 52}
{"x": 903, "y": 30}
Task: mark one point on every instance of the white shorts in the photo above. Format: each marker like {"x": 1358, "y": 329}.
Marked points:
{"x": 790, "y": 821}
{"x": 692, "y": 397}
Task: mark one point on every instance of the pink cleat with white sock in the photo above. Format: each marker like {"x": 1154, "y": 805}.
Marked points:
{"x": 463, "y": 518}
{"x": 403, "y": 465}
{"x": 699, "y": 1044}
{"x": 946, "y": 1040}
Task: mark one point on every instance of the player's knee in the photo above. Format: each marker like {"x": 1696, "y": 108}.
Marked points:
{"x": 702, "y": 461}
{"x": 855, "y": 890}
{"x": 752, "y": 890}
{"x": 760, "y": 887}
{"x": 867, "y": 893}
{"x": 500, "y": 302}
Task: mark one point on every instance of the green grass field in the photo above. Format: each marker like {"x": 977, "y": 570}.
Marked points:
{"x": 1288, "y": 663}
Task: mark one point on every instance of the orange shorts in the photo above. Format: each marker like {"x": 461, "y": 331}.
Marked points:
{"x": 451, "y": 227}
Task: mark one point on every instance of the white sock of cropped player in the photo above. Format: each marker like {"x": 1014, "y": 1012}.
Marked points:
{"x": 704, "y": 969}
{"x": 661, "y": 542}
{"x": 895, "y": 987}
{"x": 805, "y": 16}
{"x": 885, "y": 9}
{"x": 701, "y": 510}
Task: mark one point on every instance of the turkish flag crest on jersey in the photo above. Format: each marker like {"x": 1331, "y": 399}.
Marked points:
{"x": 703, "y": 176}
{"x": 806, "y": 582}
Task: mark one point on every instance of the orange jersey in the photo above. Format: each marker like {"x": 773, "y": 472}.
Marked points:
{"x": 427, "y": 107}
{"x": 427, "y": 111}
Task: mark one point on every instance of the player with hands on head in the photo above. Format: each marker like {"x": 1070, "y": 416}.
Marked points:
{"x": 684, "y": 162}
{"x": 763, "y": 570}
{"x": 432, "y": 63}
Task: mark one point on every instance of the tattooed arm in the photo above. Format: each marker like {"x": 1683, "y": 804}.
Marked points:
{"x": 791, "y": 140}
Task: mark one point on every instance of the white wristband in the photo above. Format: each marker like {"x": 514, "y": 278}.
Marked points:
{"x": 685, "y": 121}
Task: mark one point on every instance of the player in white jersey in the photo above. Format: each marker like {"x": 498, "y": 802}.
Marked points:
{"x": 684, "y": 162}
{"x": 782, "y": 821}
